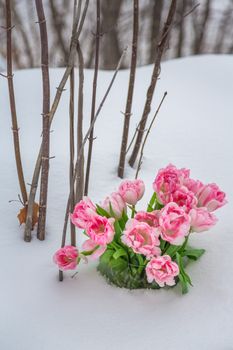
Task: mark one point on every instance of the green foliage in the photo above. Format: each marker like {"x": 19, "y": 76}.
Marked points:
{"x": 125, "y": 270}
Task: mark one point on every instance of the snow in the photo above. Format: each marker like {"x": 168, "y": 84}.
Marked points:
{"x": 194, "y": 130}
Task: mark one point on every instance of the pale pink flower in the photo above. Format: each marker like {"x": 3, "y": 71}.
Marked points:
{"x": 151, "y": 218}
{"x": 142, "y": 238}
{"x": 211, "y": 197}
{"x": 193, "y": 185}
{"x": 84, "y": 211}
{"x": 101, "y": 230}
{"x": 132, "y": 191}
{"x": 201, "y": 219}
{"x": 167, "y": 181}
{"x": 174, "y": 224}
{"x": 117, "y": 204}
{"x": 184, "y": 198}
{"x": 98, "y": 250}
{"x": 162, "y": 270}
{"x": 66, "y": 258}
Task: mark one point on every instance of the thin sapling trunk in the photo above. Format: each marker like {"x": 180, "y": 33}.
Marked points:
{"x": 128, "y": 108}
{"x": 46, "y": 124}
{"x": 93, "y": 102}
{"x": 156, "y": 71}
{"x": 15, "y": 128}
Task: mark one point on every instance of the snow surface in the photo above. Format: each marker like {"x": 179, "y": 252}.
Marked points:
{"x": 194, "y": 130}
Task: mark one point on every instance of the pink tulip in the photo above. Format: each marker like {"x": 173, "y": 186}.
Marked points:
{"x": 211, "y": 197}
{"x": 152, "y": 218}
{"x": 117, "y": 204}
{"x": 184, "y": 198}
{"x": 66, "y": 258}
{"x": 90, "y": 245}
{"x": 193, "y": 185}
{"x": 101, "y": 230}
{"x": 142, "y": 238}
{"x": 174, "y": 224}
{"x": 167, "y": 181}
{"x": 201, "y": 219}
{"x": 132, "y": 191}
{"x": 84, "y": 211}
{"x": 162, "y": 270}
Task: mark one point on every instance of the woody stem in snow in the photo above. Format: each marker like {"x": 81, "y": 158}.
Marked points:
{"x": 15, "y": 128}
{"x": 154, "y": 78}
{"x": 46, "y": 124}
{"x": 128, "y": 108}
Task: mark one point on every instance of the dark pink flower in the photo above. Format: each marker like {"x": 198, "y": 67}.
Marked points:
{"x": 66, "y": 258}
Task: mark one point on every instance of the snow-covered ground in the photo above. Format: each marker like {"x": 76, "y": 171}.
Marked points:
{"x": 194, "y": 130}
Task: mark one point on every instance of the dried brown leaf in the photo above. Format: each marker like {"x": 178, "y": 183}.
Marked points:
{"x": 23, "y": 215}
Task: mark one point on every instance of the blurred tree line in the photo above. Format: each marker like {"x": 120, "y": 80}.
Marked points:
{"x": 206, "y": 28}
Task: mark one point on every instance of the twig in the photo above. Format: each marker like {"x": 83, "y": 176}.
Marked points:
{"x": 128, "y": 107}
{"x": 81, "y": 150}
{"x": 80, "y": 174}
{"x": 93, "y": 100}
{"x": 156, "y": 71}
{"x": 147, "y": 134}
{"x": 15, "y": 128}
{"x": 75, "y": 35}
{"x": 46, "y": 126}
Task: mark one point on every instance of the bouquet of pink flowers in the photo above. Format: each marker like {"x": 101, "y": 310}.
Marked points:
{"x": 145, "y": 249}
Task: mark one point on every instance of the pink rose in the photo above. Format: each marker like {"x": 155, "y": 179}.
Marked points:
{"x": 142, "y": 238}
{"x": 184, "y": 198}
{"x": 162, "y": 270}
{"x": 167, "y": 181}
{"x": 66, "y": 258}
{"x": 101, "y": 230}
{"x": 90, "y": 245}
{"x": 117, "y": 204}
{"x": 174, "y": 224}
{"x": 201, "y": 219}
{"x": 132, "y": 191}
{"x": 84, "y": 211}
{"x": 152, "y": 218}
{"x": 211, "y": 197}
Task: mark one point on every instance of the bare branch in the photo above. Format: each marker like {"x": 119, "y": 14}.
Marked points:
{"x": 93, "y": 101}
{"x": 147, "y": 134}
{"x": 128, "y": 107}
{"x": 15, "y": 128}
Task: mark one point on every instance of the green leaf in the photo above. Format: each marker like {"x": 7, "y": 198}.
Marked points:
{"x": 118, "y": 231}
{"x": 120, "y": 252}
{"x": 184, "y": 275}
{"x": 183, "y": 283}
{"x": 171, "y": 250}
{"x": 193, "y": 254}
{"x": 151, "y": 203}
{"x": 162, "y": 244}
{"x": 102, "y": 211}
{"x": 118, "y": 265}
